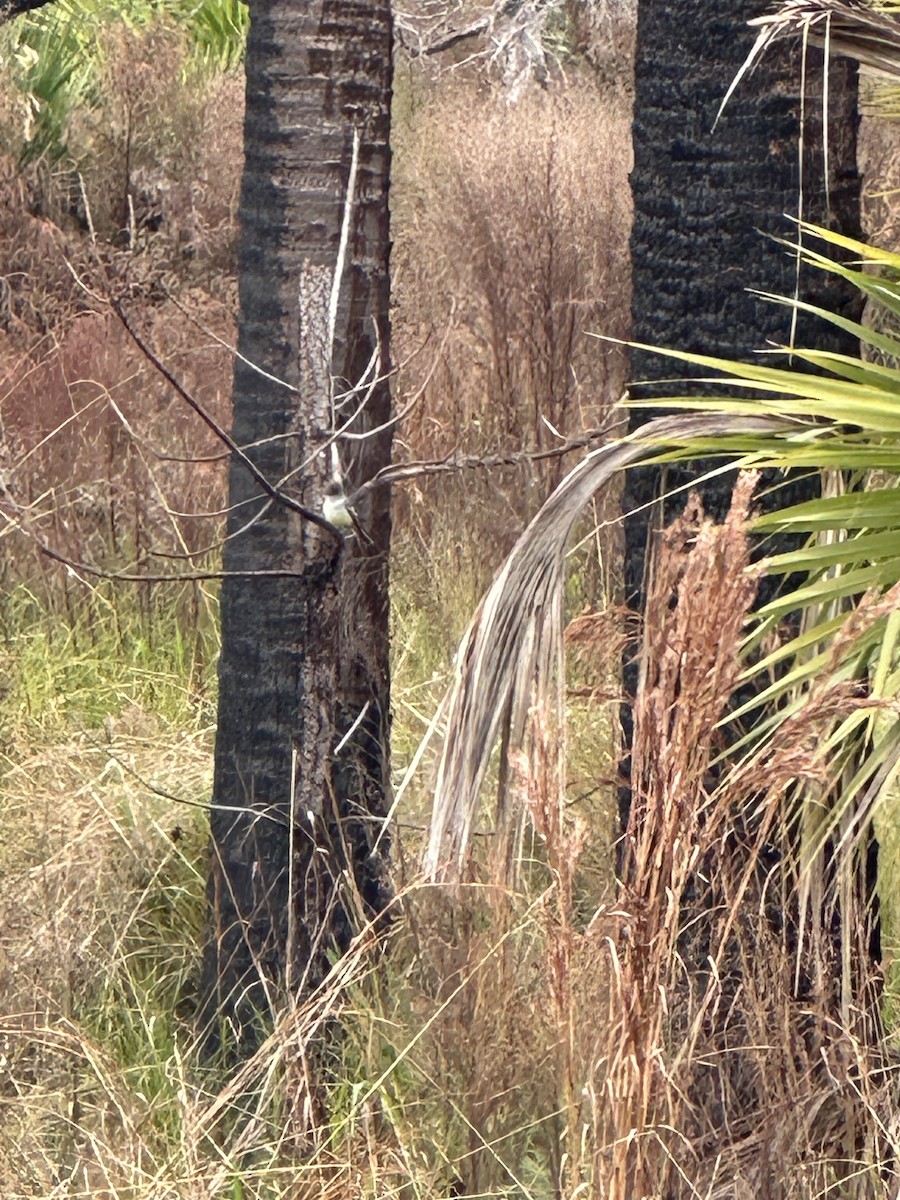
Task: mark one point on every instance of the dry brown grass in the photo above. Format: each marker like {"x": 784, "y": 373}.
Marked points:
{"x": 151, "y": 166}
{"x": 99, "y": 457}
{"x": 737, "y": 1062}
{"x": 511, "y": 227}
{"x": 511, "y": 245}
{"x": 659, "y": 1048}
{"x": 879, "y": 160}
{"x": 716, "y": 1032}
{"x": 102, "y": 901}
{"x": 434, "y": 1086}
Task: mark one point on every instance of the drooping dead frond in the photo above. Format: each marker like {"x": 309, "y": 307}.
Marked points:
{"x": 509, "y": 656}
{"x": 847, "y": 27}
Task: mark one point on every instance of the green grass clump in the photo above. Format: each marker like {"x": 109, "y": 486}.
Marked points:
{"x": 60, "y": 672}
{"x": 57, "y": 55}
{"x": 105, "y": 716}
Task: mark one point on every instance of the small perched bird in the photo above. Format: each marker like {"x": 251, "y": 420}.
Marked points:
{"x": 337, "y": 510}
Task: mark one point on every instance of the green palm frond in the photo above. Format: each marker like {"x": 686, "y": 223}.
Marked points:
{"x": 217, "y": 30}
{"x": 56, "y": 53}
{"x": 844, "y": 588}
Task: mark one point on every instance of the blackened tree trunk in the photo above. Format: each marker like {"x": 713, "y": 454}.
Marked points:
{"x": 707, "y": 204}
{"x": 304, "y": 653}
{"x": 704, "y": 199}
{"x": 703, "y": 202}
{"x": 11, "y": 9}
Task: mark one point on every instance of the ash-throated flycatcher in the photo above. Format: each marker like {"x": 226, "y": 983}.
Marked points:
{"x": 337, "y": 510}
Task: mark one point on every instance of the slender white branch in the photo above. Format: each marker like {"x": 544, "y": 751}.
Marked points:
{"x": 349, "y": 201}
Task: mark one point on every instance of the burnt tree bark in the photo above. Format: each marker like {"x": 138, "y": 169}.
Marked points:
{"x": 707, "y": 204}
{"x": 305, "y": 653}
{"x": 704, "y": 200}
{"x": 14, "y": 8}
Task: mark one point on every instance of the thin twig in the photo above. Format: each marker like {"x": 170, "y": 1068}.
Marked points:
{"x": 156, "y": 790}
{"x": 403, "y": 472}
{"x": 270, "y": 490}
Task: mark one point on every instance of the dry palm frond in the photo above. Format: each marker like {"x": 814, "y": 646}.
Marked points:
{"x": 509, "y": 656}
{"x": 847, "y": 27}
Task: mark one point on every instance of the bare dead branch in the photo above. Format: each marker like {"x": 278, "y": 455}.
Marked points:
{"x": 258, "y": 814}
{"x": 273, "y": 492}
{"x": 82, "y": 568}
{"x": 477, "y": 29}
{"x": 454, "y": 462}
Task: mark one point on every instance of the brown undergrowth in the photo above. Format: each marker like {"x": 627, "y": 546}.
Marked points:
{"x": 511, "y": 248}
{"x": 511, "y": 225}
{"x": 465, "y": 1053}
{"x": 741, "y": 1060}
{"x": 662, "y": 1047}
{"x": 102, "y": 463}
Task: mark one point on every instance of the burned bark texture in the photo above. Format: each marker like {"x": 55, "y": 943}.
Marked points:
{"x": 708, "y": 203}
{"x": 708, "y": 206}
{"x": 304, "y": 655}
{"x": 15, "y": 8}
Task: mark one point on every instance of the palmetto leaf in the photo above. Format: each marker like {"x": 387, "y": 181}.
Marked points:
{"x": 841, "y": 415}
{"x": 56, "y": 52}
{"x": 846, "y": 575}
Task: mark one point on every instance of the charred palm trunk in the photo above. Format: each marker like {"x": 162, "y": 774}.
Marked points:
{"x": 709, "y": 202}
{"x": 704, "y": 200}
{"x": 304, "y": 615}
